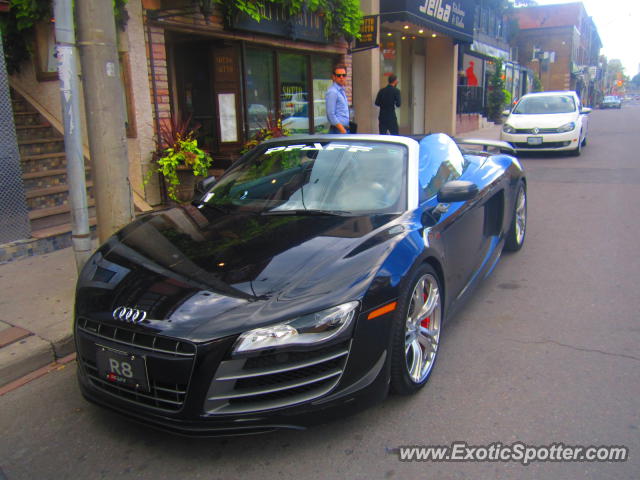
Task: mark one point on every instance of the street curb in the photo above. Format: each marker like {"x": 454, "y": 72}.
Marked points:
{"x": 24, "y": 356}
{"x": 57, "y": 365}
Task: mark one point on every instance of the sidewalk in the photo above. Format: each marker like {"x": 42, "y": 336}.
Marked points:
{"x": 36, "y": 306}
{"x": 36, "y": 312}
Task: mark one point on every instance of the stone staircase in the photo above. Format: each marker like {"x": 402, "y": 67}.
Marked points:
{"x": 43, "y": 163}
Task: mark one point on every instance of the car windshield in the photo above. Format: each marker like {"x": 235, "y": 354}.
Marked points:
{"x": 542, "y": 104}
{"x": 315, "y": 177}
{"x": 610, "y": 99}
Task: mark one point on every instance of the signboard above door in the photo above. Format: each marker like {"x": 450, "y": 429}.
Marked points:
{"x": 449, "y": 17}
{"x": 304, "y": 26}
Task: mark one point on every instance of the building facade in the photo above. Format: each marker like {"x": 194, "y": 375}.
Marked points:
{"x": 477, "y": 63}
{"x": 419, "y": 43}
{"x": 560, "y": 43}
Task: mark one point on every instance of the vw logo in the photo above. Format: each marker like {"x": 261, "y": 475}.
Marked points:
{"x": 129, "y": 314}
{"x": 536, "y": 131}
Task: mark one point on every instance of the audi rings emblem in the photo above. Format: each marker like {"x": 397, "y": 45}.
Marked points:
{"x": 536, "y": 131}
{"x": 129, "y": 314}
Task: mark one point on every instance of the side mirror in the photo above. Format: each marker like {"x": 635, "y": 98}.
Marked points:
{"x": 201, "y": 188}
{"x": 203, "y": 185}
{"x": 506, "y": 113}
{"x": 457, "y": 191}
{"x": 585, "y": 110}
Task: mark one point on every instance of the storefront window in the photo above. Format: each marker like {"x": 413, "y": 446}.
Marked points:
{"x": 294, "y": 96}
{"x": 321, "y": 68}
{"x": 295, "y": 90}
{"x": 260, "y": 88}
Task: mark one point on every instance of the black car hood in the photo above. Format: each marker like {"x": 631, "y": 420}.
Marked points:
{"x": 201, "y": 274}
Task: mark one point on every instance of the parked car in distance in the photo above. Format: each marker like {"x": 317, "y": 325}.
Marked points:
{"x": 299, "y": 121}
{"x": 547, "y": 121}
{"x": 290, "y": 102}
{"x": 611, "y": 101}
{"x": 313, "y": 275}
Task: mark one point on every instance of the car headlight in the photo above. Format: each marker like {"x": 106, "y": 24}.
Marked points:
{"x": 567, "y": 127}
{"x": 305, "y": 330}
{"x": 508, "y": 128}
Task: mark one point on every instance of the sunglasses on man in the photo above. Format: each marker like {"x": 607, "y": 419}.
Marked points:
{"x": 340, "y": 74}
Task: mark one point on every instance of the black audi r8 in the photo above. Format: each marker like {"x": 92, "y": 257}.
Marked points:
{"x": 306, "y": 281}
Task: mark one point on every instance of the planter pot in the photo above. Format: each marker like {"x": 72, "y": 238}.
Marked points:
{"x": 186, "y": 189}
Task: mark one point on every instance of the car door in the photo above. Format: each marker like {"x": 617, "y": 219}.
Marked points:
{"x": 461, "y": 225}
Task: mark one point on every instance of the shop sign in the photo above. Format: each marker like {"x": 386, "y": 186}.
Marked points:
{"x": 305, "y": 26}
{"x": 368, "y": 33}
{"x": 451, "y": 17}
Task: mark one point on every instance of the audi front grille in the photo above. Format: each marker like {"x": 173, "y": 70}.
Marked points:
{"x": 169, "y": 363}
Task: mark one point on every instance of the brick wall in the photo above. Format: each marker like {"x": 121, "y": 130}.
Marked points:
{"x": 158, "y": 76}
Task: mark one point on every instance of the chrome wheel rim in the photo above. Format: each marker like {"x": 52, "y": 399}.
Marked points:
{"x": 422, "y": 332}
{"x": 521, "y": 216}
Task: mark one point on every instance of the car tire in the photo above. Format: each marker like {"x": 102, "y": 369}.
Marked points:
{"x": 584, "y": 141}
{"x": 416, "y": 331}
{"x": 518, "y": 228}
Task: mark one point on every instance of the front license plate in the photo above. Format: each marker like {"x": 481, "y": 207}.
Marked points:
{"x": 122, "y": 368}
{"x": 534, "y": 140}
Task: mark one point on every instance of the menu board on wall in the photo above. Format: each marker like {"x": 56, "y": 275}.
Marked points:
{"x": 228, "y": 123}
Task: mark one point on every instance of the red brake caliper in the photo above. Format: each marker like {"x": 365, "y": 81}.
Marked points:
{"x": 426, "y": 320}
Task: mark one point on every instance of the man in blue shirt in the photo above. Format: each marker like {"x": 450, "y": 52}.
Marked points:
{"x": 337, "y": 103}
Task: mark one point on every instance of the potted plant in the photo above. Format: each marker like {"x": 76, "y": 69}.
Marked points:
{"x": 180, "y": 160}
{"x": 496, "y": 97}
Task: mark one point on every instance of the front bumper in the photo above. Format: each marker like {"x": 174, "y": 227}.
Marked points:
{"x": 198, "y": 389}
{"x": 550, "y": 142}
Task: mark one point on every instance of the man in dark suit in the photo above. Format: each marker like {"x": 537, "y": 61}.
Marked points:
{"x": 388, "y": 99}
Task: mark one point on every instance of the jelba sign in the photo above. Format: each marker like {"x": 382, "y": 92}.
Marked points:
{"x": 453, "y": 18}
{"x": 443, "y": 11}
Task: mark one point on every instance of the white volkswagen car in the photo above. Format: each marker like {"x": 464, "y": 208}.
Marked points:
{"x": 547, "y": 121}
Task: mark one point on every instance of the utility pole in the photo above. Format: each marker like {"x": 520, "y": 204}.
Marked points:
{"x": 69, "y": 94}
{"x": 104, "y": 106}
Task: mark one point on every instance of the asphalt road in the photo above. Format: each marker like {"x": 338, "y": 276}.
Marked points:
{"x": 546, "y": 352}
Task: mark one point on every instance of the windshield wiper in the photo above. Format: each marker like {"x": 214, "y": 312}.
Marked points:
{"x": 302, "y": 211}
